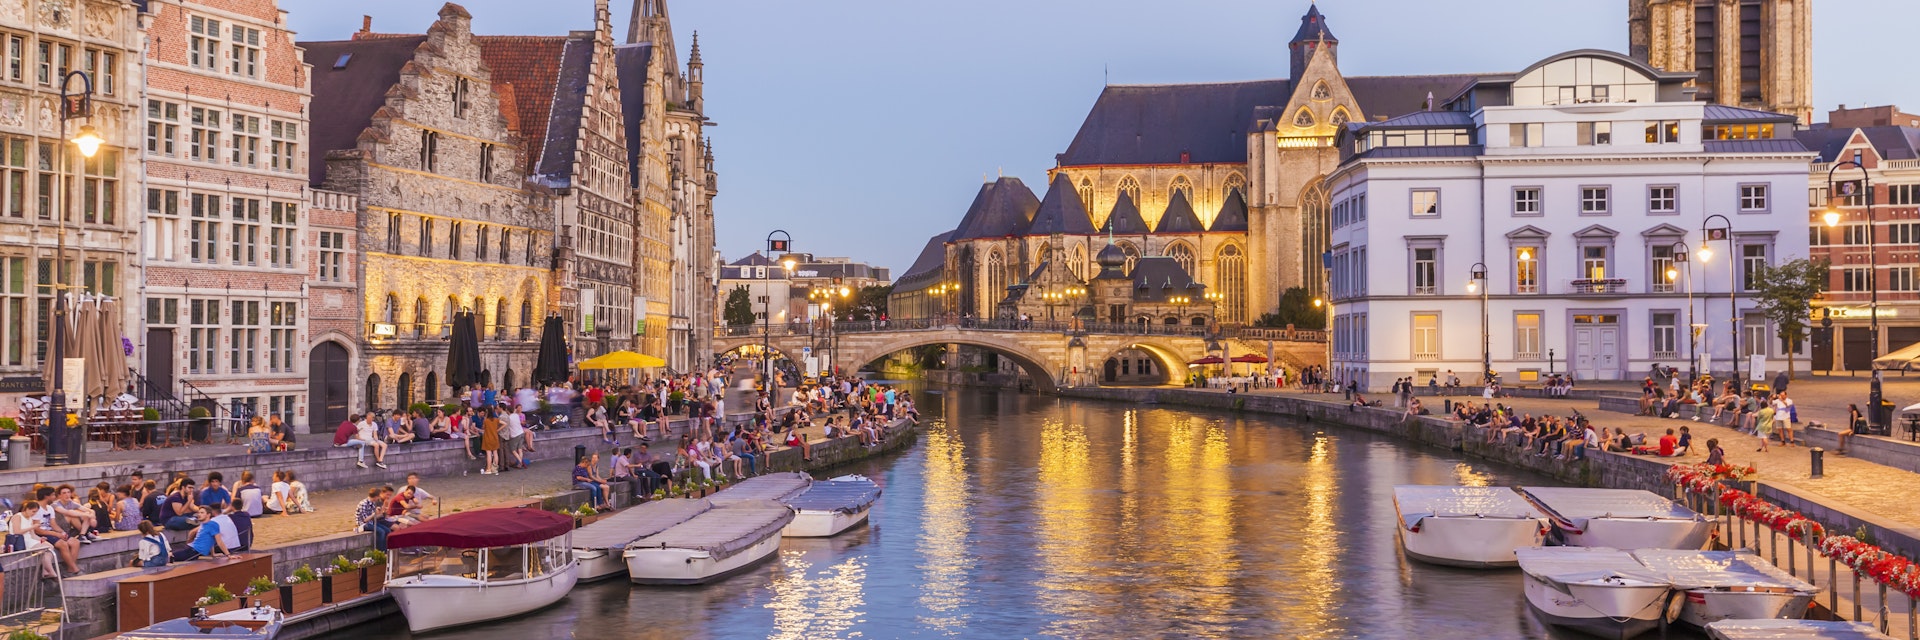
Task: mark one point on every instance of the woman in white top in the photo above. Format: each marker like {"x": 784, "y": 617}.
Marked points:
{"x": 33, "y": 523}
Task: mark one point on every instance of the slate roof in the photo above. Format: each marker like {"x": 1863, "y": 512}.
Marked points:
{"x": 1159, "y": 277}
{"x": 1891, "y": 143}
{"x": 1461, "y": 151}
{"x": 1002, "y": 208}
{"x": 1724, "y": 113}
{"x": 1772, "y": 145}
{"x": 532, "y": 65}
{"x": 1313, "y": 26}
{"x": 631, "y": 62}
{"x": 1125, "y": 218}
{"x": 1061, "y": 211}
{"x": 1179, "y": 217}
{"x": 926, "y": 268}
{"x": 755, "y": 259}
{"x": 1153, "y": 124}
{"x": 555, "y": 168}
{"x": 1425, "y": 120}
{"x": 345, "y": 99}
{"x": 1233, "y": 214}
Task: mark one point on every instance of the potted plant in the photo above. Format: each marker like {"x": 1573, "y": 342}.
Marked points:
{"x": 343, "y": 580}
{"x": 258, "y": 588}
{"x": 8, "y": 427}
{"x": 198, "y": 430}
{"x": 374, "y": 568}
{"x": 26, "y": 634}
{"x": 218, "y": 600}
{"x": 585, "y": 515}
{"x": 450, "y": 408}
{"x": 301, "y": 592}
{"x": 676, "y": 400}
{"x": 659, "y": 494}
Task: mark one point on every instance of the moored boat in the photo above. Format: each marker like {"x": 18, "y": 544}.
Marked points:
{"x": 777, "y": 487}
{"x": 830, "y": 507}
{"x": 260, "y": 622}
{"x": 600, "y": 547}
{"x": 1466, "y": 526}
{"x": 711, "y": 546}
{"x": 481, "y": 565}
{"x": 1599, "y": 591}
{"x": 1729, "y": 585}
{"x": 1619, "y": 518}
{"x": 1793, "y": 630}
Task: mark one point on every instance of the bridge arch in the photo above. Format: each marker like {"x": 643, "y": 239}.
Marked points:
{"x": 1032, "y": 362}
{"x": 1172, "y": 362}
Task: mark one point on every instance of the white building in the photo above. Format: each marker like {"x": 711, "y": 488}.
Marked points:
{"x": 1579, "y": 183}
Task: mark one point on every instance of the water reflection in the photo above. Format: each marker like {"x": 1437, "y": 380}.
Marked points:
{"x": 944, "y": 529}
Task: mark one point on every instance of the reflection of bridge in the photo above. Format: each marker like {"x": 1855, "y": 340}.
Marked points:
{"x": 1054, "y": 354}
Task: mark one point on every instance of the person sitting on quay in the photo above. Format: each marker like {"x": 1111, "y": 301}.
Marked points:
{"x": 279, "y": 437}
{"x": 204, "y": 539}
{"x": 249, "y": 497}
{"x": 215, "y": 494}
{"x": 126, "y": 509}
{"x": 358, "y": 432}
{"x": 259, "y": 438}
{"x": 77, "y": 518}
{"x": 421, "y": 498}
{"x": 371, "y": 515}
{"x": 180, "y": 508}
{"x": 284, "y": 498}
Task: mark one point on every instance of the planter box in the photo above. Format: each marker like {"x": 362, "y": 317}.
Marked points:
{"x": 300, "y": 597}
{"x": 343, "y": 586}
{"x": 375, "y": 578}
{"x": 230, "y": 605}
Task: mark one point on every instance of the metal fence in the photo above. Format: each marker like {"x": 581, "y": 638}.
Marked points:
{"x": 30, "y": 600}
{"x": 1035, "y": 326}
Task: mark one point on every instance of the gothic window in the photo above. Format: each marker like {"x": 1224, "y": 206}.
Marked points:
{"x": 1314, "y": 232}
{"x": 996, "y": 277}
{"x": 1079, "y": 261}
{"x": 419, "y": 317}
{"x": 1234, "y": 183}
{"x": 1181, "y": 185}
{"x": 1321, "y": 92}
{"x": 1303, "y": 118}
{"x": 1339, "y": 117}
{"x": 1230, "y": 279}
{"x": 1044, "y": 253}
{"x": 1131, "y": 187}
{"x": 1182, "y": 254}
{"x": 391, "y": 314}
{"x": 1086, "y": 195}
{"x": 1133, "y": 254}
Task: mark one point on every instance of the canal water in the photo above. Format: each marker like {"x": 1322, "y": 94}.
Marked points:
{"x": 1026, "y": 517}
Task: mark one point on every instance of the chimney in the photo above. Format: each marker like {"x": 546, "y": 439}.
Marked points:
{"x": 366, "y": 24}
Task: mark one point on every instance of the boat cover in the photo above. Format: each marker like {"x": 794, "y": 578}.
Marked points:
{"x": 483, "y": 528}
{"x": 1577, "y": 506}
{"x": 844, "y": 496}
{"x": 773, "y": 486}
{"x": 1793, "y": 630}
{"x": 1560, "y": 566}
{"x": 1703, "y": 569}
{"x": 723, "y": 531}
{"x": 1418, "y": 502}
{"x": 641, "y": 520}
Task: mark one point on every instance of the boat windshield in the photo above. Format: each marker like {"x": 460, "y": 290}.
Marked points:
{"x": 494, "y": 564}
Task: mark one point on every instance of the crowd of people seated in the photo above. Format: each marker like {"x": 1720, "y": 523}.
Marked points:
{"x": 1767, "y": 414}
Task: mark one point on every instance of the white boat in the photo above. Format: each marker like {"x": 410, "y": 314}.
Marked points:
{"x": 777, "y": 487}
{"x": 1475, "y": 527}
{"x": 1793, "y": 630}
{"x": 1729, "y": 585}
{"x": 830, "y": 507}
{"x": 260, "y": 622}
{"x": 1619, "y": 518}
{"x": 600, "y": 547}
{"x": 1600, "y": 591}
{"x": 711, "y": 546}
{"x": 481, "y": 565}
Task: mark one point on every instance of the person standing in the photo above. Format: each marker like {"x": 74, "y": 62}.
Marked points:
{"x": 490, "y": 428}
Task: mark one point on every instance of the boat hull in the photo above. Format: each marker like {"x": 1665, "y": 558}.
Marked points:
{"x": 435, "y": 601}
{"x": 822, "y": 524}
{"x": 1471, "y": 542}
{"x": 1640, "y": 533}
{"x": 599, "y": 564}
{"x": 688, "y": 566}
{"x": 1608, "y": 611}
{"x": 1707, "y": 606}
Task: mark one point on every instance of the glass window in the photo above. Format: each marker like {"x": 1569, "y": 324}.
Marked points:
{"x": 1595, "y": 200}
{"x": 1426, "y": 336}
{"x": 1753, "y": 262}
{"x": 1526, "y": 335}
{"x": 1753, "y": 197}
{"x": 1425, "y": 271}
{"x": 1526, "y": 201}
{"x": 1426, "y": 202}
{"x": 1593, "y": 262}
{"x": 1595, "y": 133}
{"x": 1526, "y": 270}
{"x": 1662, "y": 273}
{"x": 1661, "y": 199}
{"x": 1665, "y": 335}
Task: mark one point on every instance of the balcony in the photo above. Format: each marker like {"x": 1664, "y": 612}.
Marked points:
{"x": 1597, "y": 286}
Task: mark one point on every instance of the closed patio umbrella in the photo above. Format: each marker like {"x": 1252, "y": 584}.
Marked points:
{"x": 463, "y": 352}
{"x": 113, "y": 354}
{"x": 551, "y": 366}
{"x": 84, "y": 343}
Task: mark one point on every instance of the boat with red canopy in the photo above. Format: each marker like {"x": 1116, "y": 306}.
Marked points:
{"x": 481, "y": 565}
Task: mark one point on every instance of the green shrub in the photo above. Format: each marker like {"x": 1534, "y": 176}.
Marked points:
{"x": 421, "y": 408}
{"x": 260, "y": 585}
{"x": 303, "y": 574}
{"x": 26, "y": 634}
{"x": 150, "y": 414}
{"x": 218, "y": 593}
{"x": 10, "y": 424}
{"x": 199, "y": 413}
{"x": 376, "y": 556}
{"x": 342, "y": 565}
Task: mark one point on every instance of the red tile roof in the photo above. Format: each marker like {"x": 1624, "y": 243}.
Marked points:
{"x": 532, "y": 65}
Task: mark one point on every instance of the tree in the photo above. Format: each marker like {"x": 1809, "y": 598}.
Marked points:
{"x": 739, "y": 310}
{"x": 1296, "y": 308}
{"x": 868, "y": 303}
{"x": 1786, "y": 293}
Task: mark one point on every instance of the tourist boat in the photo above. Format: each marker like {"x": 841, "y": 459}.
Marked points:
{"x": 261, "y": 622}
{"x": 600, "y": 547}
{"x": 1619, "y": 518}
{"x": 830, "y": 507}
{"x": 1600, "y": 591}
{"x": 481, "y": 565}
{"x": 711, "y": 546}
{"x": 1793, "y": 630}
{"x": 1475, "y": 527}
{"x": 777, "y": 487}
{"x": 1729, "y": 585}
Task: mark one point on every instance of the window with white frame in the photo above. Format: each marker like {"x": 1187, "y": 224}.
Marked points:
{"x": 282, "y": 406}
{"x": 1662, "y": 199}
{"x": 163, "y": 127}
{"x": 13, "y": 176}
{"x": 16, "y": 58}
{"x": 244, "y": 144}
{"x": 1663, "y": 131}
{"x": 14, "y": 293}
{"x": 1753, "y": 335}
{"x": 333, "y": 254}
{"x": 1526, "y": 270}
{"x": 281, "y": 327}
{"x": 1594, "y": 133}
{"x": 203, "y": 231}
{"x": 244, "y": 353}
{"x": 163, "y": 212}
{"x": 1595, "y": 200}
{"x": 1662, "y": 273}
{"x": 1855, "y": 234}
{"x": 246, "y": 231}
{"x": 1426, "y": 203}
{"x": 1593, "y": 262}
{"x": 1426, "y": 263}
{"x": 50, "y": 194}
{"x": 245, "y": 59}
{"x": 1753, "y": 197}
{"x": 1900, "y": 279}
{"x": 284, "y": 149}
{"x": 1753, "y": 262}
{"x": 1903, "y": 233}
{"x": 1665, "y": 333}
{"x": 1817, "y": 236}
{"x": 1855, "y": 279}
{"x": 1527, "y": 134}
{"x": 1426, "y": 336}
{"x": 203, "y": 134}
{"x": 1526, "y": 335}
{"x": 100, "y": 187}
{"x": 282, "y": 223}
{"x": 203, "y": 335}
{"x": 203, "y": 43}
{"x": 1526, "y": 201}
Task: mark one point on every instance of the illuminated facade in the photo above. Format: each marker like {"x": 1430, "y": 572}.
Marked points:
{"x": 1756, "y": 54}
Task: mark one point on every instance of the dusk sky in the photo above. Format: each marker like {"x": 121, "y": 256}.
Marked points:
{"x": 865, "y": 126}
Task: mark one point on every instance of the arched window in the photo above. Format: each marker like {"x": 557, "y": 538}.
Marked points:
{"x": 373, "y": 392}
{"x": 1170, "y": 320}
{"x": 1233, "y": 183}
{"x": 1079, "y": 261}
{"x": 1303, "y": 118}
{"x": 403, "y": 392}
{"x": 996, "y": 279}
{"x": 1339, "y": 117}
{"x": 1314, "y": 229}
{"x": 1183, "y": 254}
{"x": 1321, "y": 92}
{"x": 446, "y": 316}
{"x": 1131, "y": 187}
{"x": 391, "y": 314}
{"x": 1181, "y": 185}
{"x": 1086, "y": 195}
{"x": 1044, "y": 253}
{"x": 526, "y": 319}
{"x": 419, "y": 317}
{"x": 1198, "y": 321}
{"x": 500, "y": 320}
{"x": 1133, "y": 254}
{"x": 1230, "y": 280}
{"x": 433, "y": 387}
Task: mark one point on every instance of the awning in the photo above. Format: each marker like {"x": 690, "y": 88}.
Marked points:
{"x": 1208, "y": 360}
{"x": 1250, "y": 358}
{"x": 483, "y": 529}
{"x": 1906, "y": 359}
{"x": 623, "y": 360}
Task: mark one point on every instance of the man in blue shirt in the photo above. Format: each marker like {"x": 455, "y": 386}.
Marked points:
{"x": 215, "y": 495}
{"x": 204, "y": 541}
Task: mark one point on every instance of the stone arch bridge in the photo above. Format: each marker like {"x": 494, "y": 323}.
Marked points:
{"x": 1054, "y": 354}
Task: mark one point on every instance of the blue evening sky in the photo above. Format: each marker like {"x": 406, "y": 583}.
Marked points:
{"x": 864, "y": 126}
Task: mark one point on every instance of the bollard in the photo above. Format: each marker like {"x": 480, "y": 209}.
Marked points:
{"x": 19, "y": 452}
{"x": 579, "y": 453}
{"x": 1447, "y": 405}
{"x": 1819, "y": 461}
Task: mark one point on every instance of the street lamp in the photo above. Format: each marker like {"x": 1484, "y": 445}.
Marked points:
{"x": 1478, "y": 282}
{"x": 1709, "y": 233}
{"x": 782, "y": 244}
{"x": 1326, "y": 325}
{"x": 1693, "y": 331}
{"x": 1832, "y": 218}
{"x": 61, "y": 448}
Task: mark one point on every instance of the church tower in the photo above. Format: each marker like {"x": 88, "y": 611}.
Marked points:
{"x": 1313, "y": 36}
{"x": 1749, "y": 53}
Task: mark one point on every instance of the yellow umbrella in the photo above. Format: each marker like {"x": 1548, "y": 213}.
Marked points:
{"x": 623, "y": 360}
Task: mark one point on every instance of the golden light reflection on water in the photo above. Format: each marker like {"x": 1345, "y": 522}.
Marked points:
{"x": 1072, "y": 548}
{"x": 1466, "y": 476}
{"x": 816, "y": 606}
{"x": 1191, "y": 546}
{"x": 944, "y": 526}
{"x": 1309, "y": 565}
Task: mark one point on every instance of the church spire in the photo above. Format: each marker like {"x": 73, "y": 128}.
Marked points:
{"x": 695, "y": 69}
{"x": 1312, "y": 37}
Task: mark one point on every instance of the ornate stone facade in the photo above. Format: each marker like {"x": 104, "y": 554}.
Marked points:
{"x": 674, "y": 186}
{"x": 1756, "y": 54}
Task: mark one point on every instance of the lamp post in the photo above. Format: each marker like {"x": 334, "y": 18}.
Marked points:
{"x": 1832, "y": 218}
{"x": 1478, "y": 282}
{"x": 61, "y": 447}
{"x": 782, "y": 244}
{"x": 1680, "y": 257}
{"x": 1710, "y": 233}
{"x": 1326, "y": 327}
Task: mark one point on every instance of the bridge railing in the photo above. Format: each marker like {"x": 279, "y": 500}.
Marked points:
{"x": 754, "y": 330}
{"x": 1290, "y": 335}
{"x": 1037, "y": 326}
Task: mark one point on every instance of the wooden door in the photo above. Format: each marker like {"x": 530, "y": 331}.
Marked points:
{"x": 327, "y": 386}
{"x": 160, "y": 358}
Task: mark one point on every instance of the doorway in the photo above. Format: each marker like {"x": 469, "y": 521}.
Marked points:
{"x": 1596, "y": 347}
{"x": 160, "y": 359}
{"x": 327, "y": 376}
